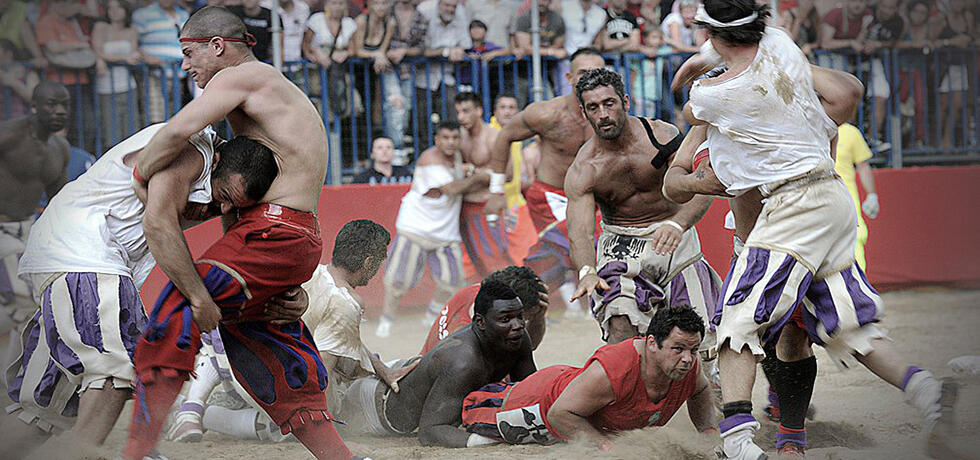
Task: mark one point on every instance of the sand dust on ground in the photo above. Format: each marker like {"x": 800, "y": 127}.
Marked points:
{"x": 858, "y": 416}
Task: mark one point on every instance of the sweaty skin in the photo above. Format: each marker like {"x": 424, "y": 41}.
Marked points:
{"x": 560, "y": 126}
{"x": 32, "y": 160}
{"x": 258, "y": 102}
{"x": 431, "y": 396}
{"x": 616, "y": 174}
{"x": 476, "y": 140}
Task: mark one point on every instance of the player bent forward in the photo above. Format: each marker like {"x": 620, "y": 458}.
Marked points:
{"x": 624, "y": 386}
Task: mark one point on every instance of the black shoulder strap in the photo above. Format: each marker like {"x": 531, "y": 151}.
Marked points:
{"x": 663, "y": 151}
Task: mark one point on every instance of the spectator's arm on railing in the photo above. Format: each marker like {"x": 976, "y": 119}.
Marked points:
{"x": 312, "y": 53}
{"x": 828, "y": 42}
{"x": 62, "y": 47}
{"x": 22, "y": 89}
{"x": 30, "y": 42}
{"x": 226, "y": 91}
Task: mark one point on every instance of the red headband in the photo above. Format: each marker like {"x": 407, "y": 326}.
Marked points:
{"x": 249, "y": 39}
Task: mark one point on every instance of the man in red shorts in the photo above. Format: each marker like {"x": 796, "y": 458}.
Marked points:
{"x": 458, "y": 312}
{"x": 271, "y": 248}
{"x": 562, "y": 129}
{"x": 625, "y": 386}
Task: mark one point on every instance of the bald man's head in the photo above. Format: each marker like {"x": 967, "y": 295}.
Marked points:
{"x": 213, "y": 21}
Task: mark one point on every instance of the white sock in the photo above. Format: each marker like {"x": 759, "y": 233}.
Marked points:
{"x": 238, "y": 423}
{"x": 922, "y": 392}
{"x": 741, "y": 437}
{"x": 566, "y": 291}
{"x": 201, "y": 386}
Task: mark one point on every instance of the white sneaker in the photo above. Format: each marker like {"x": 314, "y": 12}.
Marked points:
{"x": 738, "y": 444}
{"x": 939, "y": 442}
{"x": 186, "y": 428}
{"x": 384, "y": 327}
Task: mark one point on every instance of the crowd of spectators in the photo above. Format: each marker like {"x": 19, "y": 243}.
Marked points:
{"x": 129, "y": 51}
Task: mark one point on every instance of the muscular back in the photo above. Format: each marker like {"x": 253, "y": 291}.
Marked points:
{"x": 28, "y": 167}
{"x": 562, "y": 129}
{"x": 626, "y": 187}
{"x": 277, "y": 114}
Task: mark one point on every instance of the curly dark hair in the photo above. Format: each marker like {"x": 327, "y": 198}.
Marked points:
{"x": 682, "y": 317}
{"x": 730, "y": 10}
{"x": 358, "y": 240}
{"x": 448, "y": 125}
{"x": 525, "y": 283}
{"x": 595, "y": 78}
{"x": 491, "y": 290}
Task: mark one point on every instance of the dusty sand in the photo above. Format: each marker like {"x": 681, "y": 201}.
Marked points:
{"x": 859, "y": 416}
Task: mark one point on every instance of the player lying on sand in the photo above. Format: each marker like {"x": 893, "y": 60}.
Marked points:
{"x": 624, "y": 386}
{"x": 494, "y": 346}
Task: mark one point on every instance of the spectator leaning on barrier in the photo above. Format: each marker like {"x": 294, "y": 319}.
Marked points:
{"x": 15, "y": 27}
{"x": 497, "y": 15}
{"x": 843, "y": 28}
{"x": 883, "y": 33}
{"x": 293, "y": 14}
{"x": 258, "y": 22}
{"x": 621, "y": 33}
{"x": 71, "y": 57}
{"x": 382, "y": 171}
{"x": 328, "y": 42}
{"x": 955, "y": 29}
{"x": 915, "y": 48}
{"x": 411, "y": 27}
{"x": 482, "y": 49}
{"x": 448, "y": 36}
{"x": 114, "y": 41}
{"x": 17, "y": 83}
{"x": 372, "y": 40}
{"x": 551, "y": 29}
{"x": 802, "y": 20}
{"x": 158, "y": 26}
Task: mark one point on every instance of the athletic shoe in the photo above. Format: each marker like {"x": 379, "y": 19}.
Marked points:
{"x": 186, "y": 428}
{"x": 791, "y": 450}
{"x": 738, "y": 444}
{"x": 384, "y": 327}
{"x": 938, "y": 444}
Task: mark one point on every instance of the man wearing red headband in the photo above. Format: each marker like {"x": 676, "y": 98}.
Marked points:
{"x": 268, "y": 249}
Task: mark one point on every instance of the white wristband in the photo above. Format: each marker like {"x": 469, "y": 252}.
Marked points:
{"x": 674, "y": 224}
{"x": 497, "y": 181}
{"x": 586, "y": 271}
{"x": 711, "y": 57}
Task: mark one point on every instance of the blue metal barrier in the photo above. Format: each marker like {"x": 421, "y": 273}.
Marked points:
{"x": 924, "y": 103}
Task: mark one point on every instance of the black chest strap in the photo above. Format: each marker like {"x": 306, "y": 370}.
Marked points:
{"x": 663, "y": 151}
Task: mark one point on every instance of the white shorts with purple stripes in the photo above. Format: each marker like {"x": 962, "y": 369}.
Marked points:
{"x": 799, "y": 259}
{"x": 409, "y": 255}
{"x": 640, "y": 279}
{"x": 83, "y": 334}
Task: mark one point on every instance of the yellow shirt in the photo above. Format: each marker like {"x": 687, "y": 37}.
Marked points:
{"x": 512, "y": 189}
{"x": 851, "y": 150}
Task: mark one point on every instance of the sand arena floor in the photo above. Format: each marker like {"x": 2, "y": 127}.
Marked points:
{"x": 859, "y": 416}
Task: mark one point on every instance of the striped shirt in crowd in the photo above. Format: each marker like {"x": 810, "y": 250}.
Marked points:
{"x": 159, "y": 31}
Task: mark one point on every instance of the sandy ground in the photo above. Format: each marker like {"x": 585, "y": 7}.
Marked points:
{"x": 858, "y": 416}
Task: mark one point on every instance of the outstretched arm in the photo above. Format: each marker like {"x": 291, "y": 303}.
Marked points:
{"x": 227, "y": 90}
{"x": 582, "y": 398}
{"x": 165, "y": 202}
{"x": 581, "y": 225}
{"x": 443, "y": 407}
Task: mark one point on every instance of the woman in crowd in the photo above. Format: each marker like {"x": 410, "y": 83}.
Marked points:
{"x": 375, "y": 29}
{"x": 954, "y": 28}
{"x": 916, "y": 45}
{"x": 114, "y": 41}
{"x": 802, "y": 21}
{"x": 328, "y": 41}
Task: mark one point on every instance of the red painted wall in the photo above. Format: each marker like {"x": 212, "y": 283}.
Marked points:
{"x": 925, "y": 233}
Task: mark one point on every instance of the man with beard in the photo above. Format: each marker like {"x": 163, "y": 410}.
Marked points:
{"x": 649, "y": 251}
{"x": 431, "y": 397}
{"x": 34, "y": 160}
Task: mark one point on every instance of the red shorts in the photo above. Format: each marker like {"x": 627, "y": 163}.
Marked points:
{"x": 269, "y": 250}
{"x": 541, "y": 209}
{"x": 486, "y": 245}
